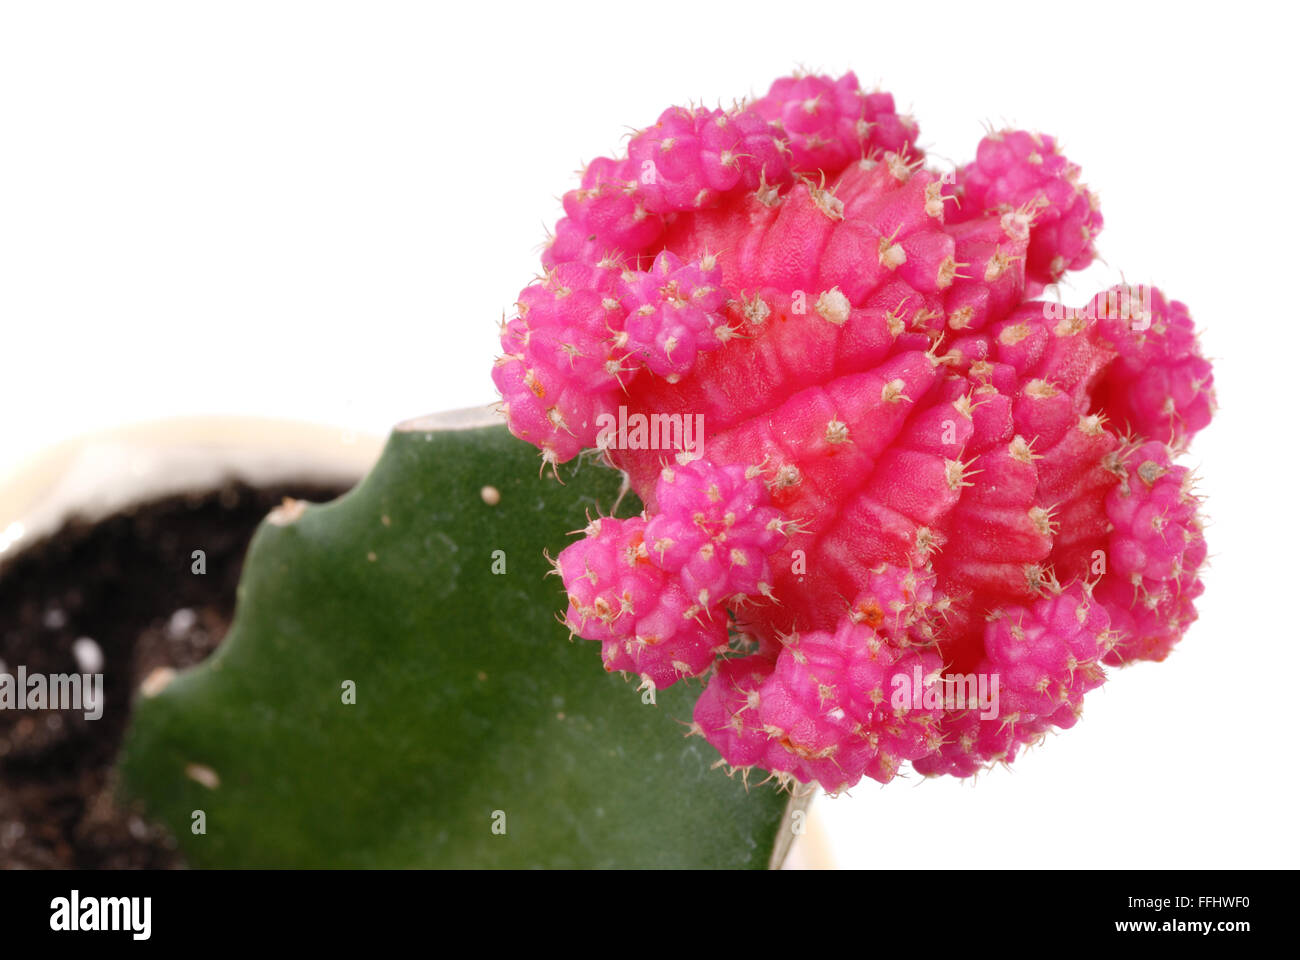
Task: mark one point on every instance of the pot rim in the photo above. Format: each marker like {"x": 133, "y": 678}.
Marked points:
{"x": 103, "y": 472}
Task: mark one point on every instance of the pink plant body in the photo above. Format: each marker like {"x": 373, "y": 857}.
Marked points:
{"x": 912, "y": 466}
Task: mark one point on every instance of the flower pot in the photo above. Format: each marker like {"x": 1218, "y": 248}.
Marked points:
{"x": 120, "y": 555}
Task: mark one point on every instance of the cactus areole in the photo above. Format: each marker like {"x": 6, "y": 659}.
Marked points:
{"x": 897, "y": 509}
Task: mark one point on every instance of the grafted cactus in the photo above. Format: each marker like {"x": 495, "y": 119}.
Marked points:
{"x": 896, "y": 507}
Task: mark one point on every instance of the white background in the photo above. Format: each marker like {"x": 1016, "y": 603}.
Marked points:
{"x": 321, "y": 211}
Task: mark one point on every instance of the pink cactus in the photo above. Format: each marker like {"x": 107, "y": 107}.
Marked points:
{"x": 914, "y": 481}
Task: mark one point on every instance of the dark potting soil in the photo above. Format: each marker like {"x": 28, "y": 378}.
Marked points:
{"x": 125, "y": 584}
